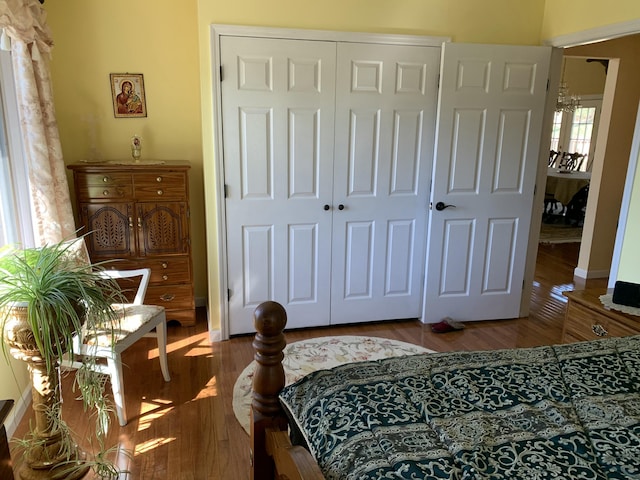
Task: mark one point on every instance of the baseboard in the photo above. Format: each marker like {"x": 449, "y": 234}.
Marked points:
{"x": 201, "y": 302}
{"x": 20, "y": 407}
{"x": 588, "y": 274}
{"x": 215, "y": 335}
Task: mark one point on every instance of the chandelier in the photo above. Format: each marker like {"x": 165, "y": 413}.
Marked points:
{"x": 566, "y": 102}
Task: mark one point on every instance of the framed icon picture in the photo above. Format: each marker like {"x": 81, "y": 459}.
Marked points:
{"x": 127, "y": 91}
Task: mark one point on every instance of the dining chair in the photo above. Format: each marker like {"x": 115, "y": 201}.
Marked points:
{"x": 107, "y": 342}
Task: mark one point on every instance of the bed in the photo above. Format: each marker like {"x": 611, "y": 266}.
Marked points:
{"x": 564, "y": 411}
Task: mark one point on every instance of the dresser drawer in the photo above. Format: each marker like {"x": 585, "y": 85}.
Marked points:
{"x": 104, "y": 192}
{"x": 170, "y": 296}
{"x": 169, "y": 270}
{"x": 108, "y": 179}
{"x": 583, "y": 323}
{"x": 150, "y": 186}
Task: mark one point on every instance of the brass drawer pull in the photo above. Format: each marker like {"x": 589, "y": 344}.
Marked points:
{"x": 165, "y": 265}
{"x": 167, "y": 297}
{"x": 165, "y": 277}
{"x": 158, "y": 179}
{"x": 160, "y": 192}
{"x": 130, "y": 222}
{"x": 599, "y": 330}
{"x": 106, "y": 179}
{"x": 105, "y": 193}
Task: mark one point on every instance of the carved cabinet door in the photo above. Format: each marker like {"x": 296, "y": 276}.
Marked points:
{"x": 112, "y": 227}
{"x": 162, "y": 228}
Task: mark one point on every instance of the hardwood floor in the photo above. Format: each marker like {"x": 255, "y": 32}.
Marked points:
{"x": 186, "y": 429}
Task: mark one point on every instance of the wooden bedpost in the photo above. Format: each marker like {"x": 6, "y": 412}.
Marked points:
{"x": 266, "y": 413}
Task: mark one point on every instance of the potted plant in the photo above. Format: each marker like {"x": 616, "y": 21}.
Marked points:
{"x": 45, "y": 295}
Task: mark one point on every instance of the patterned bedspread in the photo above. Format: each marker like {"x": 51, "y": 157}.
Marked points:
{"x": 562, "y": 412}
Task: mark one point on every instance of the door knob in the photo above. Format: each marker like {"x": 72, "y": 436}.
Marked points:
{"x": 340, "y": 207}
{"x": 326, "y": 207}
{"x": 441, "y": 206}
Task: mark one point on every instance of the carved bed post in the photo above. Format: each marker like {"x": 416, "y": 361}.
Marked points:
{"x": 270, "y": 319}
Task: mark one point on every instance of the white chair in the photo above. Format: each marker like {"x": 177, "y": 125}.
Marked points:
{"x": 135, "y": 321}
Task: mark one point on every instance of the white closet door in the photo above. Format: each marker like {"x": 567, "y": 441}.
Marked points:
{"x": 489, "y": 128}
{"x": 278, "y": 126}
{"x": 385, "y": 121}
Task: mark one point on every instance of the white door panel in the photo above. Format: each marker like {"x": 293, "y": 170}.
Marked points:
{"x": 489, "y": 122}
{"x": 278, "y": 101}
{"x": 385, "y": 113}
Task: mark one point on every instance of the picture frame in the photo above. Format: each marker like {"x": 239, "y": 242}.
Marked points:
{"x": 127, "y": 93}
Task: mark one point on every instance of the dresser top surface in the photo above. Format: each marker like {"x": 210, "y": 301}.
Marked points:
{"x": 130, "y": 165}
{"x": 591, "y": 299}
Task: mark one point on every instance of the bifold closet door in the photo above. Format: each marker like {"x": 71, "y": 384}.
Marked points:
{"x": 492, "y": 106}
{"x": 327, "y": 165}
{"x": 385, "y": 121}
{"x": 278, "y": 126}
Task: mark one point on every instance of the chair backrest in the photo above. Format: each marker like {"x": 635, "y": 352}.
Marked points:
{"x": 574, "y": 161}
{"x": 145, "y": 273}
{"x": 76, "y": 250}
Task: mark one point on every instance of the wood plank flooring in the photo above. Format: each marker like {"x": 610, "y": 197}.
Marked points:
{"x": 186, "y": 429}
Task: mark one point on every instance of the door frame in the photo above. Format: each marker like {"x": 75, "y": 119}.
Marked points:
{"x": 559, "y": 43}
{"x": 217, "y": 31}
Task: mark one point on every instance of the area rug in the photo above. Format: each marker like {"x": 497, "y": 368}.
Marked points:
{"x": 306, "y": 356}
{"x": 550, "y": 233}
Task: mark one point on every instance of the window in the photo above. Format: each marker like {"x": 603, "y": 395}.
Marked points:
{"x": 575, "y": 132}
{"x": 15, "y": 207}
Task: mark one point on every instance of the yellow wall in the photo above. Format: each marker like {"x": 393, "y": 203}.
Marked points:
{"x": 562, "y": 17}
{"x": 12, "y": 387}
{"x": 14, "y": 379}
{"x": 157, "y": 38}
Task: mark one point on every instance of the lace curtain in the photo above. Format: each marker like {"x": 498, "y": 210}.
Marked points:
{"x": 25, "y": 33}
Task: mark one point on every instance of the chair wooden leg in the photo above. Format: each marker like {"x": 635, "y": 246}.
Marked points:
{"x": 161, "y": 332}
{"x": 117, "y": 385}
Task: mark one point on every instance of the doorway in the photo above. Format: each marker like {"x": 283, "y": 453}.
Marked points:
{"x": 613, "y": 145}
{"x": 572, "y": 149}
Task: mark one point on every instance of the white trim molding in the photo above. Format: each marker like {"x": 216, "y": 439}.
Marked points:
{"x": 217, "y": 31}
{"x": 588, "y": 274}
{"x": 597, "y": 34}
{"x": 19, "y": 409}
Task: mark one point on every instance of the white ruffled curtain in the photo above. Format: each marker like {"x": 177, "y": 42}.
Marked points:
{"x": 25, "y": 33}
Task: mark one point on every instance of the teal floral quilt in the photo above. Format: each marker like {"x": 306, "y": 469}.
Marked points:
{"x": 558, "y": 412}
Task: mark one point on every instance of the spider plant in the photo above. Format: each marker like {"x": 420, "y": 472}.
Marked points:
{"x": 45, "y": 295}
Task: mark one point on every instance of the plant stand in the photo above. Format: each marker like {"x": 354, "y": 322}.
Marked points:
{"x": 55, "y": 457}
{"x": 52, "y": 455}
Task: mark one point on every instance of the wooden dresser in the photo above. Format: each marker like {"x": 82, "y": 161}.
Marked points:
{"x": 138, "y": 213}
{"x": 587, "y": 319}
